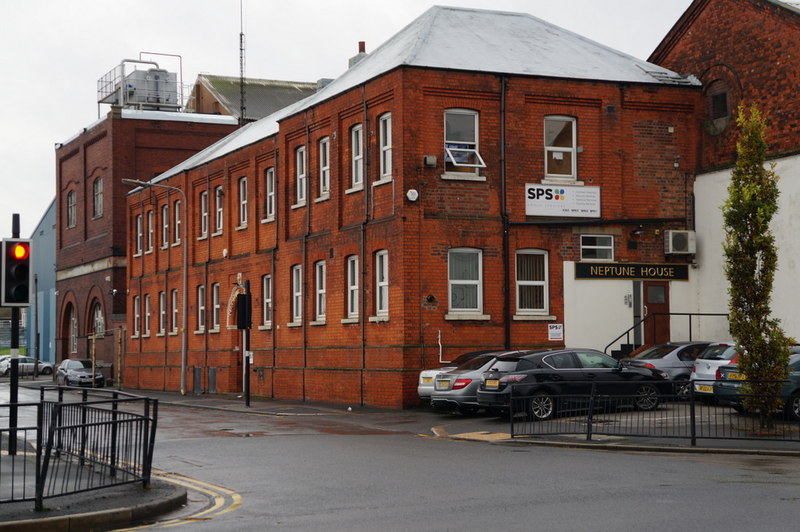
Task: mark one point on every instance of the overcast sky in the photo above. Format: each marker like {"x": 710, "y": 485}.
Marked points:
{"x": 52, "y": 52}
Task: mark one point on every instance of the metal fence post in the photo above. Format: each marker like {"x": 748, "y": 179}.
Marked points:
{"x": 692, "y": 417}
{"x": 591, "y": 412}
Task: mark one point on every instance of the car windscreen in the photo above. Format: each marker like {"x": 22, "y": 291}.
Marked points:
{"x": 78, "y": 364}
{"x": 655, "y": 352}
{"x": 719, "y": 352}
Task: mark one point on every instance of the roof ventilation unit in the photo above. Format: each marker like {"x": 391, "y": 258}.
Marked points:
{"x": 153, "y": 89}
{"x": 680, "y": 242}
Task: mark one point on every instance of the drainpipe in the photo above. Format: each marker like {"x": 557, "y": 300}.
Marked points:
{"x": 305, "y": 309}
{"x": 504, "y": 218}
{"x": 363, "y": 251}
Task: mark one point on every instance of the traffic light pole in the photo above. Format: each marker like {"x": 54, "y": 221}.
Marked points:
{"x": 14, "y": 366}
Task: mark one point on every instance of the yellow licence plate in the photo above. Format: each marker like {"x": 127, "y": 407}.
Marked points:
{"x": 442, "y": 385}
{"x": 704, "y": 388}
{"x": 492, "y": 383}
{"x": 736, "y": 376}
{"x": 427, "y": 380}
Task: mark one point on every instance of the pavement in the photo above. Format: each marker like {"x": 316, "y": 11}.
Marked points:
{"x": 134, "y": 504}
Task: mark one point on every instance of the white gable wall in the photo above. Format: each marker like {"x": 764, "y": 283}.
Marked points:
{"x": 707, "y": 289}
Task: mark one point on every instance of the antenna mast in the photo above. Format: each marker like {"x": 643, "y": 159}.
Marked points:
{"x": 242, "y": 104}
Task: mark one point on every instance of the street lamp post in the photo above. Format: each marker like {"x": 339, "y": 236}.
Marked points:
{"x": 184, "y": 244}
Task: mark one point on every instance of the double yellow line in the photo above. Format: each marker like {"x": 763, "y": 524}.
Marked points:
{"x": 222, "y": 500}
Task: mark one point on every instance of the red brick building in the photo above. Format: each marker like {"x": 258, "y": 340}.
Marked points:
{"x": 91, "y": 227}
{"x": 512, "y": 192}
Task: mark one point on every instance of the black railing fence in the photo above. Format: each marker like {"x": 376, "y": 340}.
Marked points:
{"x": 75, "y": 440}
{"x": 691, "y": 416}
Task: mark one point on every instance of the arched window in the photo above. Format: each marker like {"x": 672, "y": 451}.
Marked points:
{"x": 98, "y": 320}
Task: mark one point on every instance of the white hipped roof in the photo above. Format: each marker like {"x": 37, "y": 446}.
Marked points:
{"x": 467, "y": 40}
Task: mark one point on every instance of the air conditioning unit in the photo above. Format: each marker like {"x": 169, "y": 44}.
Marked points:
{"x": 680, "y": 242}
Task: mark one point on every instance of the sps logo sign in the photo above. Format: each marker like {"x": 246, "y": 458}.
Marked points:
{"x": 546, "y": 193}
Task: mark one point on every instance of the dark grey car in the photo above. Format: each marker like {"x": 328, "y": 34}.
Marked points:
{"x": 78, "y": 372}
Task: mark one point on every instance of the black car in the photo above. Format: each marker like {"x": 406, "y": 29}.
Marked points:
{"x": 562, "y": 379}
{"x": 78, "y": 372}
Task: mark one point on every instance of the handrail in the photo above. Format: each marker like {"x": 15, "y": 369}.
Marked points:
{"x": 653, "y": 315}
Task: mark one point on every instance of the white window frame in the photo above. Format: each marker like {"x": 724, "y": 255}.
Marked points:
{"x": 357, "y": 157}
{"x": 563, "y": 151}
{"x": 139, "y": 240}
{"x": 592, "y": 251}
{"x": 201, "y": 308}
{"x": 320, "y": 297}
{"x": 454, "y": 283}
{"x": 215, "y": 307}
{"x": 353, "y": 276}
{"x": 73, "y": 328}
{"x": 97, "y": 190}
{"x": 242, "y": 202}
{"x": 151, "y": 215}
{"x": 98, "y": 320}
{"x": 219, "y": 210}
{"x": 164, "y": 225}
{"x": 204, "y": 214}
{"x": 462, "y": 156}
{"x": 382, "y": 283}
{"x": 162, "y": 312}
{"x": 146, "y": 316}
{"x": 521, "y": 284}
{"x": 300, "y": 173}
{"x": 176, "y": 236}
{"x": 297, "y": 294}
{"x": 174, "y": 309}
{"x": 385, "y": 144}
{"x": 324, "y": 167}
{"x": 137, "y": 316}
{"x": 72, "y": 209}
{"x": 269, "y": 194}
{"x": 266, "y": 300}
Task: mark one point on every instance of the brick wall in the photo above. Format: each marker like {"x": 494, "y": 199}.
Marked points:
{"x": 749, "y": 46}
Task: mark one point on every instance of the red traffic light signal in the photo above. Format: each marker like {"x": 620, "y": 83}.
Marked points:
{"x": 16, "y": 273}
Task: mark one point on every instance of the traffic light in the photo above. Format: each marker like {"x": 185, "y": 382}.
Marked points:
{"x": 16, "y": 281}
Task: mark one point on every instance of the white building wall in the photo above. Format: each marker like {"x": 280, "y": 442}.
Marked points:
{"x": 707, "y": 290}
{"x": 595, "y": 311}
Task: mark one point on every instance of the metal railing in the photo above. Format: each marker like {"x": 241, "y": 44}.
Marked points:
{"x": 650, "y": 321}
{"x": 82, "y": 440}
{"x": 690, "y": 417}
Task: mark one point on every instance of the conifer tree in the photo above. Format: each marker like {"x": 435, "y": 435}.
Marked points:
{"x": 750, "y": 264}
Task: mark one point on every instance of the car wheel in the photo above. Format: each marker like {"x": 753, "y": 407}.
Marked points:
{"x": 542, "y": 406}
{"x": 681, "y": 387}
{"x": 646, "y": 397}
{"x": 793, "y": 407}
{"x": 47, "y": 371}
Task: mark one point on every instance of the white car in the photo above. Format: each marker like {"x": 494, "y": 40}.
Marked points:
{"x": 704, "y": 371}
{"x": 427, "y": 376}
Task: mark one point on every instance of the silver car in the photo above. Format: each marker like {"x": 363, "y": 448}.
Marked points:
{"x": 457, "y": 388}
{"x": 426, "y": 376}
{"x": 25, "y": 366}
{"x": 674, "y": 358}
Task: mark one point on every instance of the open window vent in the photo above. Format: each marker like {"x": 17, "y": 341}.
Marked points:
{"x": 680, "y": 242}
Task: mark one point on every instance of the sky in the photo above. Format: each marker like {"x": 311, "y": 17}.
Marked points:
{"x": 52, "y": 52}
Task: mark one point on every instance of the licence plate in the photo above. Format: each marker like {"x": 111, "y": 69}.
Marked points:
{"x": 442, "y": 385}
{"x": 427, "y": 380}
{"x": 493, "y": 383}
{"x": 736, "y": 376}
{"x": 705, "y": 388}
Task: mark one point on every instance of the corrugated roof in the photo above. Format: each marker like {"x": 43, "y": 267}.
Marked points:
{"x": 262, "y": 96}
{"x": 469, "y": 40}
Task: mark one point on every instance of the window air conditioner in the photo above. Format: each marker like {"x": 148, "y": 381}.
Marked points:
{"x": 679, "y": 242}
